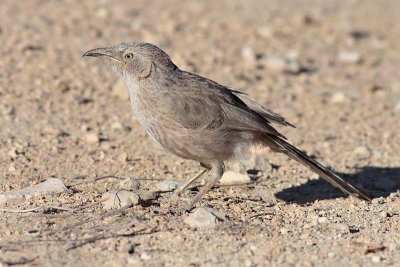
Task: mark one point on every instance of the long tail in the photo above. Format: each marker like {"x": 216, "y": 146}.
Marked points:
{"x": 279, "y": 145}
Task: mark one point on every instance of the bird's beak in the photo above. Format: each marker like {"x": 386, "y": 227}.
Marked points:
{"x": 101, "y": 52}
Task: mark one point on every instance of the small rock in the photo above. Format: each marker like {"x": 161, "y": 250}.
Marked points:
{"x": 349, "y": 57}
{"x": 144, "y": 256}
{"x": 397, "y": 107}
{"x": 248, "y": 54}
{"x": 92, "y": 138}
{"x": 339, "y": 98}
{"x": 134, "y": 260}
{"x": 231, "y": 178}
{"x": 53, "y": 132}
{"x": 116, "y": 199}
{"x": 341, "y": 227}
{"x": 146, "y": 195}
{"x": 202, "y": 217}
{"x": 11, "y": 168}
{"x": 386, "y": 184}
{"x": 281, "y": 64}
{"x": 9, "y": 111}
{"x": 362, "y": 152}
{"x": 384, "y": 214}
{"x": 102, "y": 13}
{"x": 129, "y": 184}
{"x": 377, "y": 201}
{"x": 12, "y": 153}
{"x": 265, "y": 32}
{"x": 376, "y": 258}
{"x": 331, "y": 254}
{"x": 50, "y": 186}
{"x": 323, "y": 220}
{"x": 123, "y": 157}
{"x": 168, "y": 185}
{"x": 117, "y": 126}
{"x": 120, "y": 90}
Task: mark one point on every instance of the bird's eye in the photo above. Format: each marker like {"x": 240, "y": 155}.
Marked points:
{"x": 129, "y": 56}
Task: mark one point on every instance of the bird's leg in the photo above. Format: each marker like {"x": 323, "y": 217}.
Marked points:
{"x": 190, "y": 181}
{"x": 216, "y": 173}
{"x": 193, "y": 179}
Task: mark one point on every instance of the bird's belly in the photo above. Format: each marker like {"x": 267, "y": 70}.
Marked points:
{"x": 203, "y": 145}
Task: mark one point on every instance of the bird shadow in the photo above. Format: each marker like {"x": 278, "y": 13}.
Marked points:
{"x": 376, "y": 181}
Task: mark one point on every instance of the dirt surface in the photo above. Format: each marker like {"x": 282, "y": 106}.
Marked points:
{"x": 330, "y": 67}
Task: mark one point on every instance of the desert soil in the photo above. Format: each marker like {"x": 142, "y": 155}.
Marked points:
{"x": 330, "y": 67}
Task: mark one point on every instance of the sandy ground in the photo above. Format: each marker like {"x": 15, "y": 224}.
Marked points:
{"x": 330, "y": 67}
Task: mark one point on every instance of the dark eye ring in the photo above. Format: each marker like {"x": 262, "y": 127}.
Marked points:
{"x": 129, "y": 56}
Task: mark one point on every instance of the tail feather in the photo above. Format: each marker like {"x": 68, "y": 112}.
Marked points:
{"x": 281, "y": 145}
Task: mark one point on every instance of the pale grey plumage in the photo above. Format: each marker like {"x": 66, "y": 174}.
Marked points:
{"x": 199, "y": 119}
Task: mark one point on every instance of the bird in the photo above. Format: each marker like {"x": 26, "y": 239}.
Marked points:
{"x": 199, "y": 119}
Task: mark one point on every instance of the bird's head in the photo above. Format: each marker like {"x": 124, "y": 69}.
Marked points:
{"x": 135, "y": 60}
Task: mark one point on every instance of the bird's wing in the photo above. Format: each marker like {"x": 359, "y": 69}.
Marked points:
{"x": 263, "y": 111}
{"x": 196, "y": 102}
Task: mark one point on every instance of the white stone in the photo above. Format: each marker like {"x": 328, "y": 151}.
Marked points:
{"x": 116, "y": 199}
{"x": 323, "y": 220}
{"x": 339, "y": 98}
{"x": 248, "y": 54}
{"x": 92, "y": 138}
{"x": 362, "y": 152}
{"x": 349, "y": 57}
{"x": 129, "y": 184}
{"x": 281, "y": 64}
{"x": 231, "y": 178}
{"x": 202, "y": 217}
{"x": 50, "y": 186}
{"x": 168, "y": 185}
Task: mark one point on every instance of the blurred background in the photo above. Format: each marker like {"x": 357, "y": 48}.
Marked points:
{"x": 329, "y": 67}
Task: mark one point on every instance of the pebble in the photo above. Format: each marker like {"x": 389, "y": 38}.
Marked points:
{"x": 384, "y": 214}
{"x": 397, "y": 107}
{"x": 92, "y": 138}
{"x": 144, "y": 256}
{"x": 231, "y": 178}
{"x": 282, "y": 64}
{"x": 341, "y": 227}
{"x": 376, "y": 258}
{"x": 117, "y": 126}
{"x": 102, "y": 13}
{"x": 248, "y": 54}
{"x": 146, "y": 194}
{"x": 339, "y": 98}
{"x": 168, "y": 185}
{"x": 362, "y": 152}
{"x": 120, "y": 90}
{"x": 129, "y": 184}
{"x": 202, "y": 217}
{"x": 123, "y": 157}
{"x": 50, "y": 186}
{"x": 349, "y": 57}
{"x": 265, "y": 32}
{"x": 116, "y": 199}
{"x": 53, "y": 132}
{"x": 12, "y": 153}
{"x": 377, "y": 201}
{"x": 323, "y": 220}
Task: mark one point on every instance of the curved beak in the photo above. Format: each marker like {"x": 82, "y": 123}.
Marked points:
{"x": 100, "y": 52}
